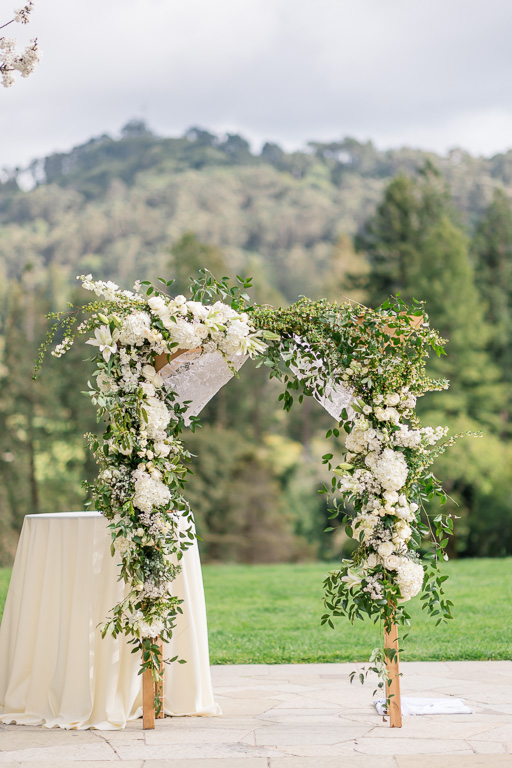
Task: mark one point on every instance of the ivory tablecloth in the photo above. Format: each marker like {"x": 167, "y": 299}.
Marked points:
{"x": 55, "y": 669}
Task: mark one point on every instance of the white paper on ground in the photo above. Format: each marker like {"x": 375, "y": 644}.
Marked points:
{"x": 446, "y": 706}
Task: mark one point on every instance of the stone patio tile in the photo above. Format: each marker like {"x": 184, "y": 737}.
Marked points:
{"x": 298, "y": 717}
{"x": 424, "y": 667}
{"x": 196, "y": 751}
{"x": 316, "y": 669}
{"x": 430, "y": 684}
{"x": 65, "y": 754}
{"x": 199, "y": 723}
{"x": 486, "y": 670}
{"x": 339, "y": 761}
{"x": 478, "y": 691}
{"x": 498, "y": 709}
{"x": 245, "y": 706}
{"x": 436, "y": 727}
{"x": 315, "y": 750}
{"x": 293, "y": 701}
{"x": 277, "y": 735}
{"x": 77, "y": 764}
{"x": 22, "y": 738}
{"x": 454, "y": 761}
{"x": 243, "y": 762}
{"x": 174, "y": 736}
{"x": 501, "y": 733}
{"x": 248, "y": 693}
{"x": 241, "y": 670}
{"x": 487, "y": 747}
{"x": 409, "y": 746}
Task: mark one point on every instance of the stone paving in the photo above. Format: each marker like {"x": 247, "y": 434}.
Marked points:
{"x": 299, "y": 716}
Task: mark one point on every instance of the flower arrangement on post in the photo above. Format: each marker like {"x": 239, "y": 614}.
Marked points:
{"x": 381, "y": 478}
{"x": 142, "y": 462}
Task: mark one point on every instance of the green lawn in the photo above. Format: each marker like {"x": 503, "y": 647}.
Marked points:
{"x": 268, "y": 614}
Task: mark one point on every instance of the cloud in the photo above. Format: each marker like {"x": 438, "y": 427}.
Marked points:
{"x": 402, "y": 72}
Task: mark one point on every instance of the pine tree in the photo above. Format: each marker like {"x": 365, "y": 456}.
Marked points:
{"x": 492, "y": 249}
{"x": 414, "y": 245}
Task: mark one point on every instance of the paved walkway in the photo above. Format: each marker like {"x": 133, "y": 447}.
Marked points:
{"x": 299, "y": 716}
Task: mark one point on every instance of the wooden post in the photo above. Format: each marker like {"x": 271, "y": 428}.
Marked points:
{"x": 393, "y": 681}
{"x": 152, "y": 689}
{"x": 148, "y": 700}
{"x": 159, "y": 687}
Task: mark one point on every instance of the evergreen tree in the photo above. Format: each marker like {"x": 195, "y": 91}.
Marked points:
{"x": 415, "y": 246}
{"x": 492, "y": 249}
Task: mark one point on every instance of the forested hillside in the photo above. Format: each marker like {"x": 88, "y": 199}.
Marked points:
{"x": 340, "y": 219}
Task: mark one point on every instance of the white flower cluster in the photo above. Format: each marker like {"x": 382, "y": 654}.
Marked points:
{"x": 143, "y": 628}
{"x": 409, "y": 578}
{"x": 11, "y": 61}
{"x": 150, "y": 492}
{"x": 376, "y": 468}
{"x": 192, "y": 325}
{"x": 109, "y": 290}
{"x": 390, "y": 469}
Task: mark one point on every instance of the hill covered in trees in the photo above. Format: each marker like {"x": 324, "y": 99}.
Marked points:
{"x": 337, "y": 219}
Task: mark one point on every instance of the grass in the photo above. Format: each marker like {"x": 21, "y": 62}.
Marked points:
{"x": 269, "y": 614}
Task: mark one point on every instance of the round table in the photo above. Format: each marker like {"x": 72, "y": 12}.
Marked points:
{"x": 55, "y": 669}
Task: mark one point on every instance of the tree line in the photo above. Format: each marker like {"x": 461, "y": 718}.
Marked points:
{"x": 257, "y": 471}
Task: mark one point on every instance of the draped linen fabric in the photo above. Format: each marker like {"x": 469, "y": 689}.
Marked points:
{"x": 55, "y": 669}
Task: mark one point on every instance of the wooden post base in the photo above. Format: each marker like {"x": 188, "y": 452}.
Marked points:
{"x": 152, "y": 689}
{"x": 393, "y": 681}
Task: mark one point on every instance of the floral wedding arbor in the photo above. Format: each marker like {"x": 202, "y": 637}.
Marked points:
{"x": 159, "y": 359}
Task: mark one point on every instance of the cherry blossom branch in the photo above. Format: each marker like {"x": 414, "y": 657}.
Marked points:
{"x": 12, "y": 61}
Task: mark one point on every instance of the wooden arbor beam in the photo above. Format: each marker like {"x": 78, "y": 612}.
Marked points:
{"x": 393, "y": 677}
{"x": 152, "y": 689}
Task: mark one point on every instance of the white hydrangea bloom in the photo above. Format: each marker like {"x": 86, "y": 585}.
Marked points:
{"x": 134, "y": 329}
{"x": 409, "y": 578}
{"x": 391, "y": 470}
{"x": 158, "y": 417}
{"x": 150, "y": 492}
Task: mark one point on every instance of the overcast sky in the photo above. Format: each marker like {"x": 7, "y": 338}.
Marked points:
{"x": 424, "y": 73}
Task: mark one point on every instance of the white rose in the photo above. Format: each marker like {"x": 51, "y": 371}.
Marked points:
{"x": 372, "y": 560}
{"x": 392, "y": 399}
{"x": 391, "y": 562}
{"x": 402, "y": 530}
{"x": 158, "y": 304}
{"x": 385, "y": 549}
